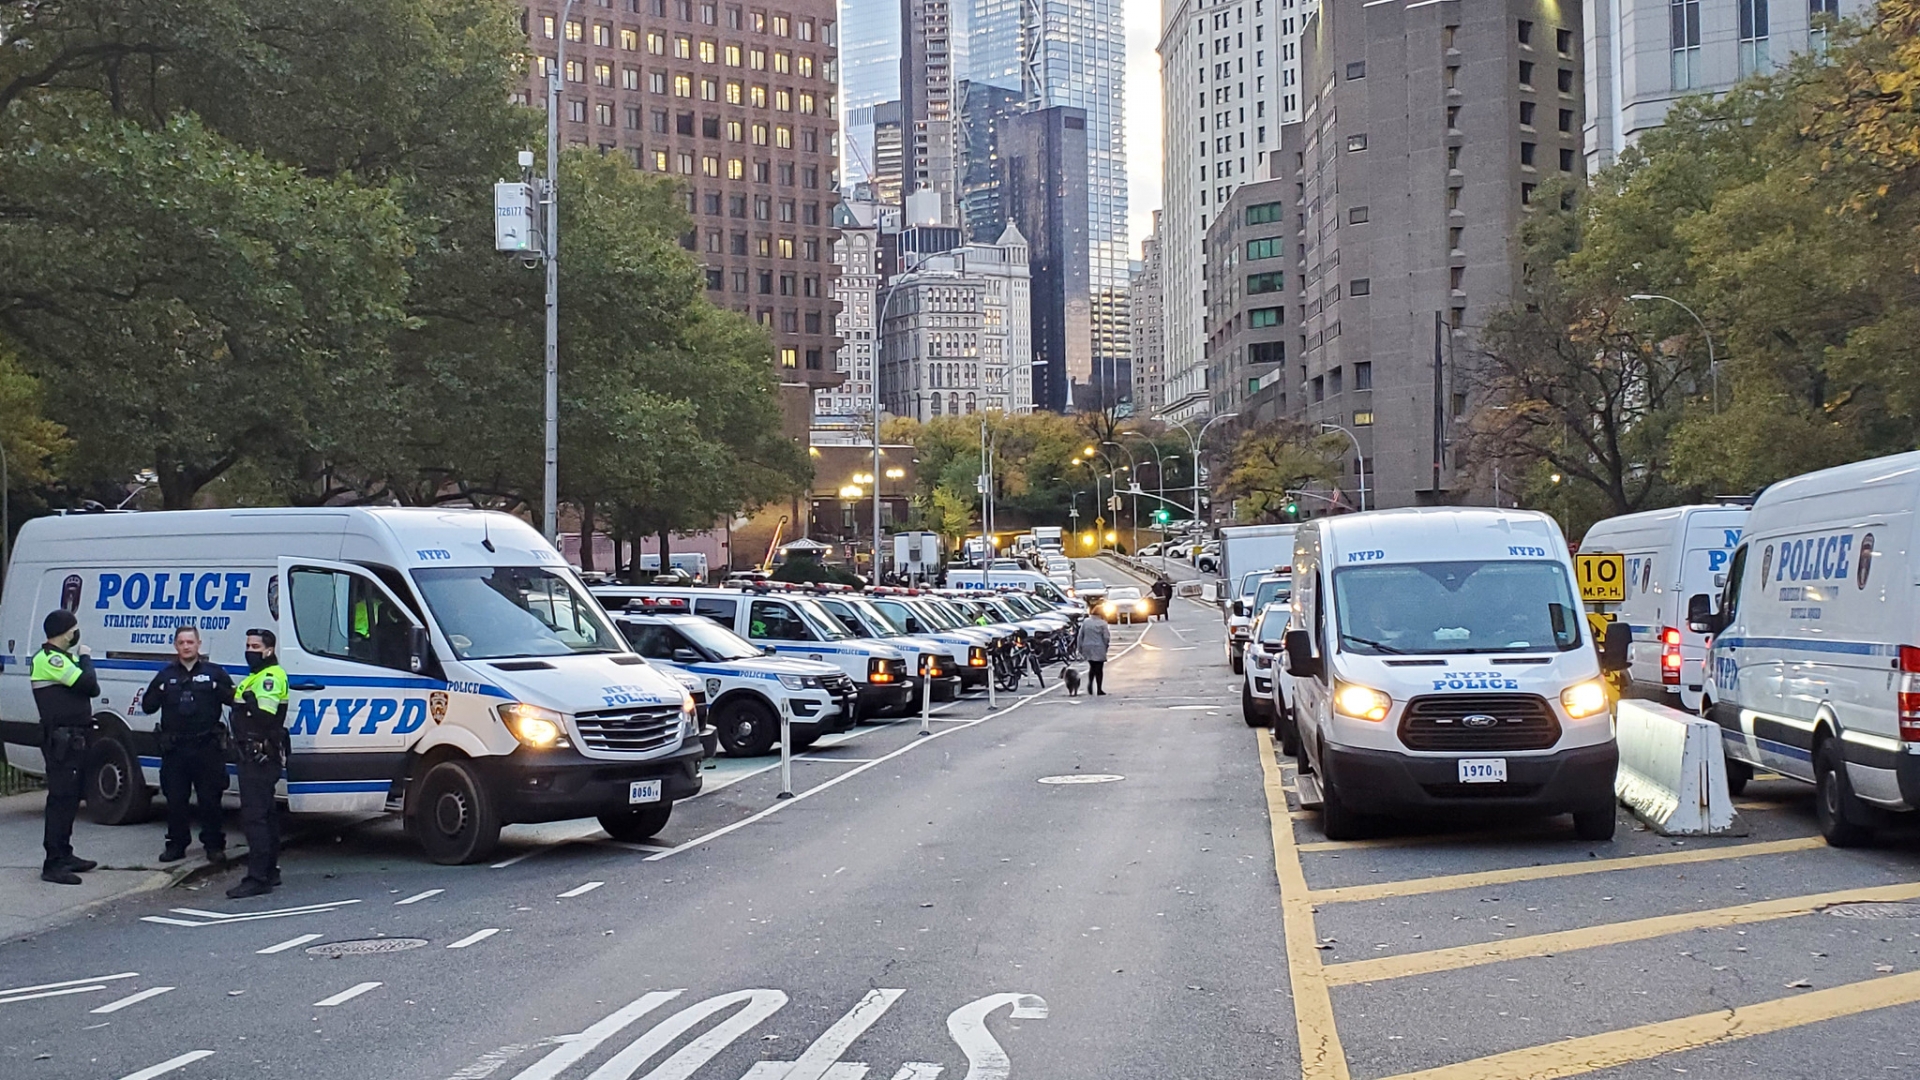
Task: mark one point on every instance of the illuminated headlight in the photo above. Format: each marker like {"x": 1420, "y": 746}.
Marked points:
{"x": 976, "y": 656}
{"x": 1364, "y": 702}
{"x": 1585, "y": 699}
{"x": 689, "y": 716}
{"x": 799, "y": 682}
{"x": 1108, "y": 608}
{"x": 1141, "y": 604}
{"x": 537, "y": 727}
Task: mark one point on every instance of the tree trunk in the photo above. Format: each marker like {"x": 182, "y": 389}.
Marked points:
{"x": 586, "y": 536}
{"x": 665, "y": 552}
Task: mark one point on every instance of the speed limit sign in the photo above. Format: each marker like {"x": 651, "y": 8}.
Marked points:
{"x": 1603, "y": 578}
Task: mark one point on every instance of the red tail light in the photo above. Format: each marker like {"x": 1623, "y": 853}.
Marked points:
{"x": 1669, "y": 656}
{"x": 1909, "y": 694}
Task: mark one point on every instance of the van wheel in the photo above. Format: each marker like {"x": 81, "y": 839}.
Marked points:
{"x": 802, "y": 742}
{"x": 1235, "y": 661}
{"x": 1289, "y": 733}
{"x": 1595, "y": 825}
{"x": 1738, "y": 775}
{"x": 1840, "y": 814}
{"x": 639, "y": 824}
{"x": 1336, "y": 820}
{"x": 113, "y": 785}
{"x": 1249, "y": 707}
{"x": 451, "y": 815}
{"x": 747, "y": 727}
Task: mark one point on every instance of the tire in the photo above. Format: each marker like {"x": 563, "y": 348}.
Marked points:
{"x": 638, "y": 825}
{"x": 1289, "y": 735}
{"x": 747, "y": 726}
{"x": 801, "y": 742}
{"x": 451, "y": 815}
{"x": 1739, "y": 774}
{"x": 1236, "y": 661}
{"x": 1840, "y": 814}
{"x": 1336, "y": 820}
{"x": 113, "y": 786}
{"x": 1250, "y": 707}
{"x": 1596, "y": 825}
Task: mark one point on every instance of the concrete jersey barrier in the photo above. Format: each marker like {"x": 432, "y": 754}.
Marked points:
{"x": 1673, "y": 775}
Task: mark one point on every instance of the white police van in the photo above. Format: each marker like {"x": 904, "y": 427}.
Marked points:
{"x": 1814, "y": 666}
{"x": 784, "y": 618}
{"x": 447, "y": 662}
{"x": 746, "y": 690}
{"x": 1669, "y": 556}
{"x": 1440, "y": 660}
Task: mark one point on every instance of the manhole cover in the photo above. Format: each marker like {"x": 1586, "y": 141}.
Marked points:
{"x": 1082, "y": 778}
{"x": 1887, "y": 910}
{"x": 366, "y": 946}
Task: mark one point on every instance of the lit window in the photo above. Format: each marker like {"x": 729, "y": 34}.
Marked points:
{"x": 736, "y": 169}
{"x": 735, "y": 92}
{"x": 575, "y": 31}
{"x": 709, "y": 90}
{"x": 603, "y": 113}
{"x": 602, "y": 35}
{"x": 783, "y": 137}
{"x": 683, "y": 86}
{"x": 789, "y": 358}
{"x": 757, "y": 59}
{"x": 708, "y": 52}
{"x": 660, "y": 161}
{"x": 736, "y": 131}
{"x": 630, "y": 78}
{"x": 603, "y": 74}
{"x": 758, "y": 97}
{"x": 780, "y": 26}
{"x": 733, "y": 56}
{"x": 759, "y": 134}
{"x": 576, "y": 71}
{"x": 710, "y": 166}
{"x": 782, "y": 63}
{"x": 630, "y": 40}
{"x": 548, "y": 26}
{"x": 806, "y": 103}
{"x": 806, "y": 67}
{"x": 683, "y": 47}
{"x": 657, "y": 44}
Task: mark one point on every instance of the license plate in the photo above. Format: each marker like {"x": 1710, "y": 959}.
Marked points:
{"x": 649, "y": 790}
{"x": 1491, "y": 770}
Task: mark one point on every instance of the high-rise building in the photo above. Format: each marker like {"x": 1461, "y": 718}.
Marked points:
{"x": 955, "y": 333}
{"x": 983, "y": 108}
{"x": 927, "y": 93}
{"x": 1043, "y": 185}
{"x": 1247, "y": 276}
{"x": 1230, "y": 76}
{"x": 1426, "y": 132}
{"x": 889, "y": 152}
{"x": 1149, "y": 328}
{"x": 869, "y": 75}
{"x": 1643, "y": 54}
{"x": 848, "y": 408}
{"x": 738, "y": 105}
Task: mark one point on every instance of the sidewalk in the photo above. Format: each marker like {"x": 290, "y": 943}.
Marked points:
{"x": 129, "y": 857}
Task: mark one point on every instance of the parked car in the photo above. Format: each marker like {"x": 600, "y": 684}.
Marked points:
{"x": 1261, "y": 699}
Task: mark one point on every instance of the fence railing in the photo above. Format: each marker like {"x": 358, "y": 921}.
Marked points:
{"x": 14, "y": 782}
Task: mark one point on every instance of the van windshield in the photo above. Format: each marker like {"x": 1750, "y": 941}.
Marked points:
{"x": 1490, "y": 606}
{"x": 495, "y": 612}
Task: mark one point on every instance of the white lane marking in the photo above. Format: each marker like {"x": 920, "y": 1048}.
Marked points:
{"x": 475, "y": 937}
{"x": 229, "y": 920}
{"x": 524, "y": 855}
{"x": 52, "y": 993}
{"x": 549, "y": 845}
{"x": 826, "y": 1050}
{"x": 968, "y": 1027}
{"x": 346, "y": 995}
{"x": 838, "y": 760}
{"x": 130, "y": 999}
{"x": 1082, "y": 778}
{"x": 168, "y": 1066}
{"x": 1189, "y": 708}
{"x": 589, "y": 1040}
{"x": 1184, "y": 648}
{"x": 777, "y": 1070}
{"x": 207, "y": 914}
{"x": 760, "y": 1004}
{"x": 290, "y": 943}
{"x": 69, "y": 982}
{"x": 417, "y": 897}
{"x": 919, "y": 1070}
{"x": 635, "y": 847}
{"x": 580, "y": 890}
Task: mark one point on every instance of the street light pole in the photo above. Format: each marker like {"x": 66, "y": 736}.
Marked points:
{"x": 1713, "y": 363}
{"x": 1194, "y": 441}
{"x": 1360, "y": 459}
{"x": 1133, "y": 487}
{"x": 550, "y": 245}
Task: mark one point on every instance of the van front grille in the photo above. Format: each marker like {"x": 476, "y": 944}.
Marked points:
{"x": 629, "y": 731}
{"x": 1460, "y": 722}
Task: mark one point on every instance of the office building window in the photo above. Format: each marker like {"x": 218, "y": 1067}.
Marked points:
{"x": 1360, "y": 287}
{"x": 1363, "y": 417}
{"x": 1526, "y": 73}
{"x": 1526, "y": 153}
{"x": 1356, "y": 143}
{"x": 1563, "y": 41}
{"x": 1526, "y": 32}
{"x": 1566, "y": 159}
{"x": 1564, "y": 79}
{"x": 1264, "y": 283}
{"x": 1684, "y": 41}
{"x": 1263, "y": 249}
{"x": 1753, "y": 36}
{"x": 1263, "y": 317}
{"x": 1357, "y": 69}
{"x": 1526, "y": 114}
{"x": 1264, "y": 213}
{"x": 1357, "y": 215}
{"x": 789, "y": 358}
{"x": 1566, "y": 120}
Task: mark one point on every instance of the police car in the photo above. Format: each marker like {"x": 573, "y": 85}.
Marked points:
{"x": 861, "y": 619}
{"x": 746, "y": 690}
{"x": 792, "y": 623}
{"x": 924, "y": 615}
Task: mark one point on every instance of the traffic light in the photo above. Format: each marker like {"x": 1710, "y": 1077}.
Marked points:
{"x": 1293, "y": 508}
{"x": 1162, "y": 516}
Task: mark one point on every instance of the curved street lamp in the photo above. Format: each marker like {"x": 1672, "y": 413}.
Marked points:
{"x": 1713, "y": 363}
{"x": 1359, "y": 456}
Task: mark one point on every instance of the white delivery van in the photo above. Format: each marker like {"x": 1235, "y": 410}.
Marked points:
{"x": 1668, "y": 556}
{"x": 1440, "y": 660}
{"x": 1245, "y": 549}
{"x": 447, "y": 662}
{"x": 1813, "y": 670}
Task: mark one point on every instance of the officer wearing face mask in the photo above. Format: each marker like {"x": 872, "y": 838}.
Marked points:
{"x": 260, "y": 731}
{"x": 190, "y": 694}
{"x": 63, "y": 688}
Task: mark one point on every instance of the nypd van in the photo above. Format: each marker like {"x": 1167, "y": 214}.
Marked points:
{"x": 792, "y": 624}
{"x": 1814, "y": 666}
{"x": 447, "y": 663}
{"x": 1667, "y": 556}
{"x": 747, "y": 691}
{"x": 1440, "y": 660}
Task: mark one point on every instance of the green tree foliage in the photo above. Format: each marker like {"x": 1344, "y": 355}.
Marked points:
{"x": 1271, "y": 461}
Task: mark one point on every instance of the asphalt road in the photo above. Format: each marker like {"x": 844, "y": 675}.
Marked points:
{"x": 930, "y": 908}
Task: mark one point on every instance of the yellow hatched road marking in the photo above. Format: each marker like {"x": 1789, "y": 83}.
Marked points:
{"x": 1321, "y": 1055}
{"x": 1592, "y": 1053}
{"x": 1593, "y": 937}
{"x": 1420, "y": 886}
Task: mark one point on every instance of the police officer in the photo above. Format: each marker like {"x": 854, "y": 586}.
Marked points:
{"x": 63, "y": 690}
{"x": 260, "y": 730}
{"x": 190, "y": 695}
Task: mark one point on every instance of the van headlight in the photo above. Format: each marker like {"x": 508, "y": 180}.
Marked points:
{"x": 1582, "y": 700}
{"x": 537, "y": 727}
{"x": 1364, "y": 702}
{"x": 799, "y": 682}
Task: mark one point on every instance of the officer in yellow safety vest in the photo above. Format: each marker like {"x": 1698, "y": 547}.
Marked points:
{"x": 63, "y": 689}
{"x": 260, "y": 732}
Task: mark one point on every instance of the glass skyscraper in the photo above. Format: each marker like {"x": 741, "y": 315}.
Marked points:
{"x": 869, "y": 76}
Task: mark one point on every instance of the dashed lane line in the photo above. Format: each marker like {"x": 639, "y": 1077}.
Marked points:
{"x": 290, "y": 943}
{"x": 1593, "y": 937}
{"x": 1321, "y": 1055}
{"x": 130, "y": 999}
{"x": 419, "y": 896}
{"x": 61, "y": 989}
{"x": 168, "y": 1065}
{"x": 580, "y": 890}
{"x": 474, "y": 938}
{"x": 346, "y": 995}
{"x": 1592, "y": 1053}
{"x": 1349, "y": 894}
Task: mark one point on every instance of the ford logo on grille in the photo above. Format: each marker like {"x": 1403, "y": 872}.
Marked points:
{"x": 1479, "y": 720}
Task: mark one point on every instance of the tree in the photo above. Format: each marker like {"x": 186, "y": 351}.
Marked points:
{"x": 1272, "y": 462}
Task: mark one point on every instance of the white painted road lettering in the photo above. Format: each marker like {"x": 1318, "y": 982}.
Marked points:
{"x": 216, "y": 918}
{"x": 61, "y": 989}
{"x": 757, "y": 1006}
{"x": 968, "y": 1026}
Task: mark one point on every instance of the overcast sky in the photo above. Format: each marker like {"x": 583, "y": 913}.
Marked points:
{"x": 1143, "y": 118}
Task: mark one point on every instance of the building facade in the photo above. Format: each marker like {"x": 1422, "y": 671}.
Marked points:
{"x": 1426, "y": 129}
{"x": 956, "y": 333}
{"x": 1642, "y": 55}
{"x": 1043, "y": 169}
{"x": 847, "y": 409}
{"x": 869, "y": 75}
{"x": 1248, "y": 271}
{"x": 984, "y": 107}
{"x": 927, "y": 86}
{"x": 1149, "y": 328}
{"x": 738, "y": 104}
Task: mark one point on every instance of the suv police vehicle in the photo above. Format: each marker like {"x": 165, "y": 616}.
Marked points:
{"x": 917, "y": 613}
{"x": 746, "y": 690}
{"x": 924, "y": 651}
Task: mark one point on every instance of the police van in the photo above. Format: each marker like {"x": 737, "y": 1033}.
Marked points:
{"x": 1440, "y": 660}
{"x": 1665, "y": 558}
{"x": 746, "y": 690}
{"x": 1814, "y": 666}
{"x": 443, "y": 662}
{"x": 784, "y": 618}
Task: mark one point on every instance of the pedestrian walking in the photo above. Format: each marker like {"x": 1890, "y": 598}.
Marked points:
{"x": 1094, "y": 640}
{"x": 1163, "y": 596}
{"x": 190, "y": 694}
{"x": 260, "y": 730}
{"x": 63, "y": 690}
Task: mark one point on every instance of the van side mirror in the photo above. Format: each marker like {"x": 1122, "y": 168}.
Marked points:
{"x": 1701, "y": 618}
{"x": 684, "y": 655}
{"x": 1301, "y": 663}
{"x": 419, "y": 649}
{"x": 1240, "y": 607}
{"x": 1613, "y": 647}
